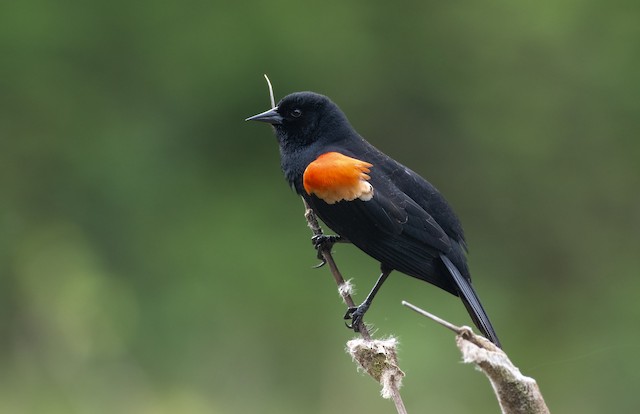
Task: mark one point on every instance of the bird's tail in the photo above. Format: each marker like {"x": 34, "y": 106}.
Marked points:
{"x": 471, "y": 302}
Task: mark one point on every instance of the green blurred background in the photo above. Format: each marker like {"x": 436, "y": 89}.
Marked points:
{"x": 153, "y": 259}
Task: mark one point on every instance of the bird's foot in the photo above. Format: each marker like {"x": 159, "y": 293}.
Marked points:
{"x": 322, "y": 242}
{"x": 356, "y": 315}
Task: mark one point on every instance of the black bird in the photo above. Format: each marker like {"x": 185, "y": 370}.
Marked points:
{"x": 382, "y": 207}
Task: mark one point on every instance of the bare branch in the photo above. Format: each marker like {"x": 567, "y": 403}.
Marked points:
{"x": 517, "y": 394}
{"x": 435, "y": 318}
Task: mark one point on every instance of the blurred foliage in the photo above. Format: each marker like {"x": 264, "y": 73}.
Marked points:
{"x": 152, "y": 259}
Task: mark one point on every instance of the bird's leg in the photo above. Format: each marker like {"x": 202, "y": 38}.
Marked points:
{"x": 323, "y": 242}
{"x": 357, "y": 314}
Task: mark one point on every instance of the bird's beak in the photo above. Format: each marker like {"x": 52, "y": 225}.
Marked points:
{"x": 271, "y": 117}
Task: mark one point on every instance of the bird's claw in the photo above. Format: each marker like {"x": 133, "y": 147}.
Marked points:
{"x": 322, "y": 262}
{"x": 321, "y": 243}
{"x": 356, "y": 315}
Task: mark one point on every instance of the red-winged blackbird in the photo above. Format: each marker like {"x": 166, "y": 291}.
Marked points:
{"x": 372, "y": 201}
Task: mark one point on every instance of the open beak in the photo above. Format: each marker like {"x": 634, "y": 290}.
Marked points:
{"x": 271, "y": 117}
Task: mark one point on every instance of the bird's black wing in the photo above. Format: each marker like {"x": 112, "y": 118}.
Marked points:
{"x": 427, "y": 197}
{"x": 423, "y": 193}
{"x": 413, "y": 223}
{"x": 393, "y": 229}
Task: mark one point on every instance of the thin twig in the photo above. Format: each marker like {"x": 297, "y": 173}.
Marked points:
{"x": 441, "y": 321}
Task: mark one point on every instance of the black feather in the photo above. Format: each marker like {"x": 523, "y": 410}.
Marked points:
{"x": 471, "y": 302}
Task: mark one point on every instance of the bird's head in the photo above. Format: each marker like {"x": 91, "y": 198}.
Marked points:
{"x": 303, "y": 118}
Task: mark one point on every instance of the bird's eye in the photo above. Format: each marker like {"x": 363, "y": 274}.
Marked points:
{"x": 296, "y": 113}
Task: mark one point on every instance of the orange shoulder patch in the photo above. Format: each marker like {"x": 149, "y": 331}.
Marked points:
{"x": 334, "y": 177}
